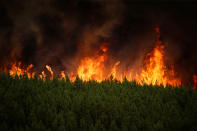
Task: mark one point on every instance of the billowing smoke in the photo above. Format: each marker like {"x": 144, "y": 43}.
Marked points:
{"x": 54, "y": 31}
{"x": 60, "y": 33}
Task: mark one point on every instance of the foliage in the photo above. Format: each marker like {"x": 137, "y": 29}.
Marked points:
{"x": 33, "y": 104}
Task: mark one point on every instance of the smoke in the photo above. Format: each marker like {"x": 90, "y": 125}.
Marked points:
{"x": 92, "y": 33}
{"x": 56, "y": 32}
{"x": 96, "y": 29}
{"x": 60, "y": 33}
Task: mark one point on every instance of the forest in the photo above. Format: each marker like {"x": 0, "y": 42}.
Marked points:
{"x": 35, "y": 104}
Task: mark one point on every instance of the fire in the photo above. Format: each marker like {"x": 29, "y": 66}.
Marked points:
{"x": 94, "y": 67}
{"x": 114, "y": 69}
{"x": 194, "y": 81}
{"x": 42, "y": 75}
{"x": 16, "y": 69}
{"x": 50, "y": 70}
{"x": 103, "y": 47}
{"x": 63, "y": 76}
{"x": 155, "y": 72}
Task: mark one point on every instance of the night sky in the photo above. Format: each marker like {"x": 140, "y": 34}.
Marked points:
{"x": 60, "y": 32}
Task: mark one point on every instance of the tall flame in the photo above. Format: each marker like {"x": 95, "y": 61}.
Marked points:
{"x": 63, "y": 76}
{"x": 114, "y": 69}
{"x": 50, "y": 70}
{"x": 155, "y": 71}
{"x": 92, "y": 67}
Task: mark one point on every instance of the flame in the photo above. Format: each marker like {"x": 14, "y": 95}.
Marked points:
{"x": 63, "y": 76}
{"x": 91, "y": 68}
{"x": 114, "y": 69}
{"x": 194, "y": 81}
{"x": 17, "y": 70}
{"x": 94, "y": 67}
{"x": 43, "y": 75}
{"x": 50, "y": 70}
{"x": 154, "y": 71}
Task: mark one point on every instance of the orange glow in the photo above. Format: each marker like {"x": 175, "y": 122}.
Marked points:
{"x": 43, "y": 75}
{"x": 103, "y": 47}
{"x": 101, "y": 66}
{"x": 16, "y": 69}
{"x": 194, "y": 81}
{"x": 114, "y": 69}
{"x": 91, "y": 68}
{"x": 50, "y": 70}
{"x": 63, "y": 76}
{"x": 155, "y": 71}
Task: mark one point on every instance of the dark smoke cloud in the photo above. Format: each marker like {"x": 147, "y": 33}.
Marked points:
{"x": 41, "y": 29}
{"x": 60, "y": 33}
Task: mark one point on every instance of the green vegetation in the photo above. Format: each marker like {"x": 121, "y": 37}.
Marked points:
{"x": 110, "y": 105}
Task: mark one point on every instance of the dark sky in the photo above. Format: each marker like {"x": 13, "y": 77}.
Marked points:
{"x": 57, "y": 31}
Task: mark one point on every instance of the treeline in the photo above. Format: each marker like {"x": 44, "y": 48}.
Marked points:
{"x": 33, "y": 104}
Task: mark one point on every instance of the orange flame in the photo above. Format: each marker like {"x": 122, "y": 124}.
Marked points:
{"x": 63, "y": 76}
{"x": 16, "y": 69}
{"x": 43, "y": 75}
{"x": 50, "y": 70}
{"x": 114, "y": 69}
{"x": 154, "y": 71}
{"x": 93, "y": 68}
